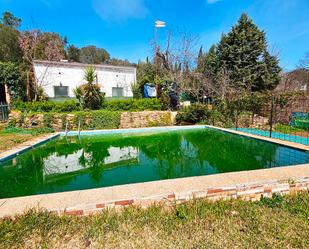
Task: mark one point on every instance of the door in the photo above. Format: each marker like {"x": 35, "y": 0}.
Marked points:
{"x": 2, "y": 94}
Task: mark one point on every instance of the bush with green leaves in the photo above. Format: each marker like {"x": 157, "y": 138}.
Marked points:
{"x": 100, "y": 119}
{"x": 194, "y": 114}
{"x": 89, "y": 95}
{"x": 134, "y": 105}
{"x": 71, "y": 105}
{"x": 11, "y": 75}
{"x": 47, "y": 106}
{"x": 136, "y": 90}
{"x": 223, "y": 112}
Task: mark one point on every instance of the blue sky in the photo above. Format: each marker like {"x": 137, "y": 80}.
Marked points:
{"x": 125, "y": 27}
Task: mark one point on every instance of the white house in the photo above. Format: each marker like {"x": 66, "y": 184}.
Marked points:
{"x": 58, "y": 79}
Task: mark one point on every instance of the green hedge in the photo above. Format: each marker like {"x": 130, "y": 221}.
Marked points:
{"x": 47, "y": 106}
{"x": 101, "y": 119}
{"x": 193, "y": 114}
{"x": 134, "y": 105}
{"x": 72, "y": 106}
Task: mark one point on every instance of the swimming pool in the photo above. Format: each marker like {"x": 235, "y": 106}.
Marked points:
{"x": 99, "y": 159}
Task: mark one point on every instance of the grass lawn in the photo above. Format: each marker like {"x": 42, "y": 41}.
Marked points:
{"x": 291, "y": 130}
{"x": 281, "y": 222}
{"x": 10, "y": 137}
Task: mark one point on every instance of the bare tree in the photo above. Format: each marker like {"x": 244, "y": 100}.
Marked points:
{"x": 177, "y": 60}
{"x": 29, "y": 42}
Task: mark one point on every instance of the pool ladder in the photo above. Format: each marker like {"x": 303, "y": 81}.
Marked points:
{"x": 66, "y": 128}
{"x": 78, "y": 127}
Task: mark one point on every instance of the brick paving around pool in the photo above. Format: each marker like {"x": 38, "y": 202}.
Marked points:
{"x": 248, "y": 192}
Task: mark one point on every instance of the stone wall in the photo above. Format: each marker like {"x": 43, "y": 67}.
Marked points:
{"x": 146, "y": 119}
{"x": 255, "y": 121}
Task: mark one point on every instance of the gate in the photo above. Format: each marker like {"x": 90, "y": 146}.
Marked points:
{"x": 4, "y": 111}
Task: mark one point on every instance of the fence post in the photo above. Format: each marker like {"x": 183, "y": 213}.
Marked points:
{"x": 6, "y": 111}
{"x": 271, "y": 116}
{"x": 236, "y": 119}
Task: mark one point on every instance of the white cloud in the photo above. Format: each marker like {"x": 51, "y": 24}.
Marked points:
{"x": 120, "y": 10}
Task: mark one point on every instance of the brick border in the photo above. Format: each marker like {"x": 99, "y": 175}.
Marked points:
{"x": 247, "y": 192}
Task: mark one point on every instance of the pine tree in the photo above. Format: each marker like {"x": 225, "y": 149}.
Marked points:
{"x": 200, "y": 61}
{"x": 73, "y": 53}
{"x": 211, "y": 63}
{"x": 243, "y": 53}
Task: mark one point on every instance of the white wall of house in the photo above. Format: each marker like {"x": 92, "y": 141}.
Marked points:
{"x": 53, "y": 74}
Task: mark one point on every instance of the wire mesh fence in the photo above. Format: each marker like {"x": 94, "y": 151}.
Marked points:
{"x": 285, "y": 118}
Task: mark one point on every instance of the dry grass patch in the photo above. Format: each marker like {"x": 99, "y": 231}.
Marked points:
{"x": 281, "y": 222}
{"x": 9, "y": 141}
{"x": 11, "y": 137}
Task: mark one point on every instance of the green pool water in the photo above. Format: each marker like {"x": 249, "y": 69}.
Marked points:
{"x": 92, "y": 161}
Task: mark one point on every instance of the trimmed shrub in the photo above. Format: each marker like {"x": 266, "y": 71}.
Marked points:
{"x": 101, "y": 119}
{"x": 47, "y": 106}
{"x": 134, "y": 105}
{"x": 73, "y": 106}
{"x": 193, "y": 114}
{"x": 104, "y": 120}
{"x": 47, "y": 120}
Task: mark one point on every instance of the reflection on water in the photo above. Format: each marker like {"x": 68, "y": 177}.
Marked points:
{"x": 79, "y": 160}
{"x": 104, "y": 160}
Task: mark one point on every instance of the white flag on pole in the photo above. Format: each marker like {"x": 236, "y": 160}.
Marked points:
{"x": 160, "y": 24}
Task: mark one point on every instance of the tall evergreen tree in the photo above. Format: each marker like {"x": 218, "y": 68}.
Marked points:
{"x": 243, "y": 53}
{"x": 73, "y": 53}
{"x": 211, "y": 64}
{"x": 200, "y": 61}
{"x": 9, "y": 47}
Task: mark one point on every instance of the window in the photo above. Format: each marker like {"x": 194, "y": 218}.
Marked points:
{"x": 117, "y": 91}
{"x": 61, "y": 91}
{"x": 303, "y": 87}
